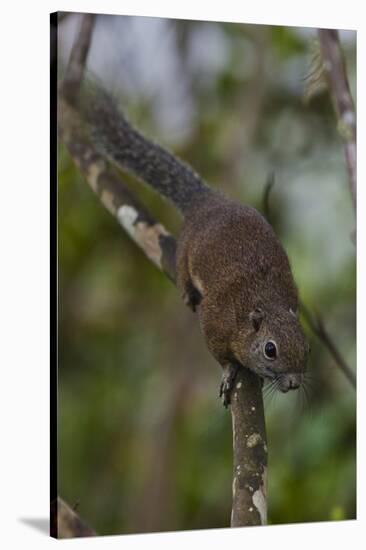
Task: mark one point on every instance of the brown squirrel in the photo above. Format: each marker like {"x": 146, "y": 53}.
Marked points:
{"x": 231, "y": 267}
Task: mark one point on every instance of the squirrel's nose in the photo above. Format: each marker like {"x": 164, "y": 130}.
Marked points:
{"x": 290, "y": 382}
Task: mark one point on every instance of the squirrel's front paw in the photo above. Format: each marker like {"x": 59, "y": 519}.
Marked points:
{"x": 227, "y": 383}
{"x": 188, "y": 301}
{"x": 192, "y": 297}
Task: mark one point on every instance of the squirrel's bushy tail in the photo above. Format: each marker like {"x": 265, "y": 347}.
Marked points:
{"x": 117, "y": 139}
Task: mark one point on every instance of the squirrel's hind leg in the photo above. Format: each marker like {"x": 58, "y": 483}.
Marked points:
{"x": 191, "y": 295}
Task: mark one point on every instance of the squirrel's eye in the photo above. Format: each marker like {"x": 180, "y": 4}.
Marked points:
{"x": 270, "y": 350}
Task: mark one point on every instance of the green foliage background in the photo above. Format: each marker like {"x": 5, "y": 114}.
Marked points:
{"x": 144, "y": 443}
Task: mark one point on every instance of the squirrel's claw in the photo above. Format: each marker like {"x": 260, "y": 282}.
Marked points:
{"x": 224, "y": 394}
{"x": 227, "y": 384}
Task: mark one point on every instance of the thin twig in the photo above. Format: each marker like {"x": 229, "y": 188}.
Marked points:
{"x": 316, "y": 324}
{"x": 79, "y": 53}
{"x": 335, "y": 69}
{"x": 266, "y": 195}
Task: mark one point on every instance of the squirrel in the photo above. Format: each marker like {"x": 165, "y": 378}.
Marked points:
{"x": 231, "y": 267}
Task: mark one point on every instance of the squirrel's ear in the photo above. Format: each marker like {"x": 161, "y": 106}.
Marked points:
{"x": 256, "y": 318}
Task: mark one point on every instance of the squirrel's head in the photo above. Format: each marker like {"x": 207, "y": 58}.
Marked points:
{"x": 275, "y": 347}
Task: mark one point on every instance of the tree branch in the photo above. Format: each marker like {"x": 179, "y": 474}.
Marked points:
{"x": 79, "y": 53}
{"x": 317, "y": 326}
{"x": 65, "y": 522}
{"x": 148, "y": 234}
{"x": 335, "y": 69}
{"x": 249, "y": 435}
{"x": 250, "y": 452}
